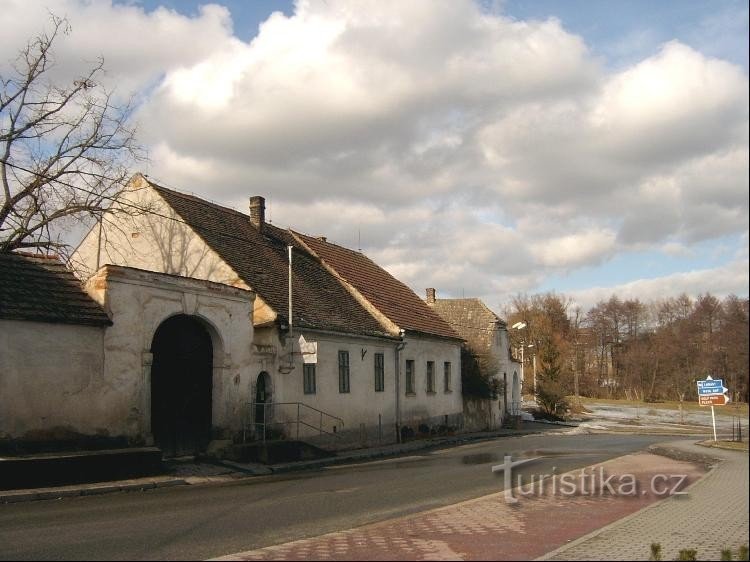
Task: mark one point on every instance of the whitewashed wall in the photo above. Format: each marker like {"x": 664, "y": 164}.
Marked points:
{"x": 139, "y": 301}
{"x": 154, "y": 243}
{"x": 368, "y": 416}
{"x": 52, "y": 384}
{"x": 422, "y": 407}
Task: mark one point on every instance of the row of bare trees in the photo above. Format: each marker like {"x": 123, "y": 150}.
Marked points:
{"x": 646, "y": 351}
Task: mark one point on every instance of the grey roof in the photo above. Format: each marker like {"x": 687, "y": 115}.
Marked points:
{"x": 42, "y": 289}
{"x": 470, "y": 318}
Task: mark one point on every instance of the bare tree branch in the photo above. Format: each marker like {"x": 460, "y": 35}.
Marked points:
{"x": 65, "y": 148}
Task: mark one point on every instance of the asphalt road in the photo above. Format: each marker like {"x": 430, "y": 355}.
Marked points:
{"x": 199, "y": 522}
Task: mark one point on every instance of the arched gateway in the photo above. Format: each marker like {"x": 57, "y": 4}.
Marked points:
{"x": 181, "y": 385}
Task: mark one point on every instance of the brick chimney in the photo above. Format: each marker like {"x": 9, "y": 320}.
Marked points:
{"x": 430, "y": 296}
{"x": 257, "y": 212}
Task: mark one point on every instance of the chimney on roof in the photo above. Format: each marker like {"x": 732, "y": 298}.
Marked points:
{"x": 257, "y": 212}
{"x": 430, "y": 296}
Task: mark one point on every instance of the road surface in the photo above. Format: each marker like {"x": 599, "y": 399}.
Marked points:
{"x": 199, "y": 522}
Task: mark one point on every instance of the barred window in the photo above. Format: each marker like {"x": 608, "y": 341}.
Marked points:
{"x": 447, "y": 377}
{"x": 343, "y": 372}
{"x": 308, "y": 376}
{"x": 431, "y": 377}
{"x": 409, "y": 376}
{"x": 379, "y": 372}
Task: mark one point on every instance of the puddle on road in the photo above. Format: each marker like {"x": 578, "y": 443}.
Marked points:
{"x": 480, "y": 458}
{"x": 486, "y": 458}
{"x": 555, "y": 453}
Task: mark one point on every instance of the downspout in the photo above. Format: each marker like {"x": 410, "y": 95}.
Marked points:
{"x": 291, "y": 321}
{"x": 399, "y": 347}
{"x": 99, "y": 243}
{"x": 290, "y": 334}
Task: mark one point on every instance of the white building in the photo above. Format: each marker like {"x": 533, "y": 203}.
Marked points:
{"x": 183, "y": 275}
{"x": 487, "y": 344}
{"x": 70, "y": 374}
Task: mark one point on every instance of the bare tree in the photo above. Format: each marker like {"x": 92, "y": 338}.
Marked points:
{"x": 65, "y": 147}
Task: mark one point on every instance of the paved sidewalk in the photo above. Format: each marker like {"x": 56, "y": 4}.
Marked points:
{"x": 491, "y": 527}
{"x": 713, "y": 516}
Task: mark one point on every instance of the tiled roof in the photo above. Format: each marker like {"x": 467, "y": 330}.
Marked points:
{"x": 261, "y": 260}
{"x": 470, "y": 318}
{"x": 386, "y": 293}
{"x": 42, "y": 289}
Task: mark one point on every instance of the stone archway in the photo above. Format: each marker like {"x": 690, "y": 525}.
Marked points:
{"x": 181, "y": 386}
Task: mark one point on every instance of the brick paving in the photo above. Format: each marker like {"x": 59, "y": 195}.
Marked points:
{"x": 490, "y": 528}
{"x": 713, "y": 516}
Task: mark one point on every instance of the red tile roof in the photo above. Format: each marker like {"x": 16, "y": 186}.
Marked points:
{"x": 386, "y": 293}
{"x": 42, "y": 289}
{"x": 320, "y": 301}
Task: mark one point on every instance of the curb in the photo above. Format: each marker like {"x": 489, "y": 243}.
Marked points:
{"x": 91, "y": 490}
{"x": 678, "y": 454}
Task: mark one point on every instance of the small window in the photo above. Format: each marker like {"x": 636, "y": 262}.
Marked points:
{"x": 431, "y": 377}
{"x": 343, "y": 372}
{"x": 409, "y": 376}
{"x": 308, "y": 376}
{"x": 379, "y": 372}
{"x": 447, "y": 377}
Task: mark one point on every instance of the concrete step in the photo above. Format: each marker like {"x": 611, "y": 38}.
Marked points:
{"x": 275, "y": 452}
{"x": 78, "y": 467}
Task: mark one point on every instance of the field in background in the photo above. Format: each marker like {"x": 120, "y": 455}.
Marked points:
{"x": 731, "y": 409}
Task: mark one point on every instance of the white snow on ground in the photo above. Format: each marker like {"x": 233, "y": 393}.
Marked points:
{"x": 609, "y": 416}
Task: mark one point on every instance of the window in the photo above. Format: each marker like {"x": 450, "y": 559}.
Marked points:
{"x": 343, "y": 372}
{"x": 431, "y": 377}
{"x": 379, "y": 372}
{"x": 447, "y": 377}
{"x": 308, "y": 377}
{"x": 409, "y": 377}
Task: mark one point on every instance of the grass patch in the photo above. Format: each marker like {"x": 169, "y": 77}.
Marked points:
{"x": 731, "y": 445}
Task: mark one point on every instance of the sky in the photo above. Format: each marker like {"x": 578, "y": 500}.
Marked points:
{"x": 484, "y": 148}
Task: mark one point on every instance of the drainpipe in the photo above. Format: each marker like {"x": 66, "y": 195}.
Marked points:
{"x": 290, "y": 335}
{"x": 291, "y": 321}
{"x": 399, "y": 347}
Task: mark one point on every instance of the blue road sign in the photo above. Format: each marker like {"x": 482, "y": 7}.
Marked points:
{"x": 713, "y": 386}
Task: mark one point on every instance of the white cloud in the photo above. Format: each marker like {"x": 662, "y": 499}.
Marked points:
{"x": 466, "y": 150}
{"x": 731, "y": 278}
{"x": 582, "y": 248}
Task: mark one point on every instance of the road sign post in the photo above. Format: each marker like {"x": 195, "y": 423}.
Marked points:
{"x": 712, "y": 392}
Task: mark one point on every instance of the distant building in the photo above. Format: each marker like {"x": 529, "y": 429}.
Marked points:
{"x": 488, "y": 346}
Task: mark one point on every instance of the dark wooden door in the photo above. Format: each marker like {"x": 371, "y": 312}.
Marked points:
{"x": 181, "y": 384}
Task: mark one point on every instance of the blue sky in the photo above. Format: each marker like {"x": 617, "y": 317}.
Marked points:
{"x": 483, "y": 148}
{"x": 621, "y": 31}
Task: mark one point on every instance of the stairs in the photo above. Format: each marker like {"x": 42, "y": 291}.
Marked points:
{"x": 275, "y": 452}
